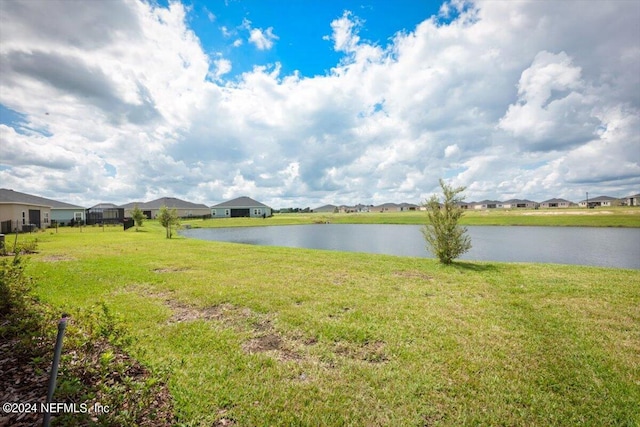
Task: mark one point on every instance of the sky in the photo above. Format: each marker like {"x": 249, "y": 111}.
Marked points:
{"x": 305, "y": 103}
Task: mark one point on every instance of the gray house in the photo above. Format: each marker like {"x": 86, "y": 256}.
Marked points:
{"x": 519, "y": 204}
{"x": 556, "y": 203}
{"x": 241, "y": 207}
{"x": 600, "y": 201}
{"x": 183, "y": 208}
{"x": 326, "y": 209}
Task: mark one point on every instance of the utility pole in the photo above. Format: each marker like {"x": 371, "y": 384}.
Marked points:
{"x": 587, "y": 200}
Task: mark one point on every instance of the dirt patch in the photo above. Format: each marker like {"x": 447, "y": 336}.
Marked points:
{"x": 263, "y": 343}
{"x": 186, "y": 313}
{"x": 370, "y": 352}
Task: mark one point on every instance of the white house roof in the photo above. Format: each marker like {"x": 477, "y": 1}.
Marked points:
{"x": 241, "y": 202}
{"x": 11, "y": 196}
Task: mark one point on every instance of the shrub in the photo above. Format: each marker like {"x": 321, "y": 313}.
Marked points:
{"x": 445, "y": 238}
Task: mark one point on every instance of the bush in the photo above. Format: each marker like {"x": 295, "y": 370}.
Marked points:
{"x": 445, "y": 238}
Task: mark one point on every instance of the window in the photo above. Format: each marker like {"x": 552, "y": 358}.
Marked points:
{"x": 226, "y": 212}
{"x": 46, "y": 217}
{"x": 77, "y": 216}
{"x": 24, "y": 221}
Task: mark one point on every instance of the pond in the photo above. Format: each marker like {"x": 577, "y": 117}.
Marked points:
{"x": 607, "y": 247}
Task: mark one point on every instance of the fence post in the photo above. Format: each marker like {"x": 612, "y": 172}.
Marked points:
{"x": 62, "y": 325}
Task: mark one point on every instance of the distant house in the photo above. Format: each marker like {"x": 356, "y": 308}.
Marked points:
{"x": 556, "y": 203}
{"x": 633, "y": 200}
{"x": 386, "y": 207}
{"x": 601, "y": 201}
{"x": 22, "y": 212}
{"x": 326, "y": 209}
{"x": 104, "y": 213}
{"x": 241, "y": 207}
{"x": 488, "y": 204}
{"x": 183, "y": 208}
{"x": 408, "y": 207}
{"x": 519, "y": 204}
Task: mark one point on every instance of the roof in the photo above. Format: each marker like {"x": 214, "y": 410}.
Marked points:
{"x": 325, "y": 207}
{"x": 600, "y": 199}
{"x": 240, "y": 202}
{"x": 104, "y": 206}
{"x": 170, "y": 202}
{"x": 519, "y": 201}
{"x": 557, "y": 201}
{"x": 11, "y": 196}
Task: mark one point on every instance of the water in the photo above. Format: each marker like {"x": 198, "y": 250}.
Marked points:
{"x": 607, "y": 247}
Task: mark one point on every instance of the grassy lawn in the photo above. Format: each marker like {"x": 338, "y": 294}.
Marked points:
{"x": 605, "y": 217}
{"x": 282, "y": 336}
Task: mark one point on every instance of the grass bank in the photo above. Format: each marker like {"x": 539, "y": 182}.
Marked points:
{"x": 281, "y": 336}
{"x": 612, "y": 217}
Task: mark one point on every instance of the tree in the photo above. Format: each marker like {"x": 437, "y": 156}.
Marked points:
{"x": 445, "y": 238}
{"x": 138, "y": 216}
{"x": 167, "y": 218}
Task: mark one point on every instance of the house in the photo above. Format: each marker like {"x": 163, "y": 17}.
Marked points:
{"x": 65, "y": 213}
{"x": 601, "y": 201}
{"x": 104, "y": 213}
{"x": 633, "y": 200}
{"x": 404, "y": 207}
{"x": 326, "y": 209}
{"x": 60, "y": 212}
{"x": 556, "y": 203}
{"x": 386, "y": 207}
{"x": 23, "y": 212}
{"x": 183, "y": 208}
{"x": 519, "y": 204}
{"x": 241, "y": 207}
{"x": 488, "y": 204}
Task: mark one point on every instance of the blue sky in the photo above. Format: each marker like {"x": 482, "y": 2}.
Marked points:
{"x": 300, "y": 103}
{"x": 302, "y": 29}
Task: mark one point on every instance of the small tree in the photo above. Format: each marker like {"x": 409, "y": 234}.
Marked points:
{"x": 138, "y": 216}
{"x": 445, "y": 238}
{"x": 167, "y": 218}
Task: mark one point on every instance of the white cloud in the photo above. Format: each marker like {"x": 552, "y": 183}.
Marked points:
{"x": 510, "y": 99}
{"x": 262, "y": 39}
{"x": 223, "y": 66}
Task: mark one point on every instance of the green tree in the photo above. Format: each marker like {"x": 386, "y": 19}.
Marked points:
{"x": 445, "y": 238}
{"x": 168, "y": 218}
{"x": 138, "y": 216}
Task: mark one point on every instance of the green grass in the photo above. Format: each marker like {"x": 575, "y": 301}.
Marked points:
{"x": 282, "y": 336}
{"x": 605, "y": 217}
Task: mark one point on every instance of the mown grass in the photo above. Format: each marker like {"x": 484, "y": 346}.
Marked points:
{"x": 282, "y": 336}
{"x": 604, "y": 217}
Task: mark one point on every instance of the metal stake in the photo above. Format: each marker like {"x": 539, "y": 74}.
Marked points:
{"x": 62, "y": 325}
